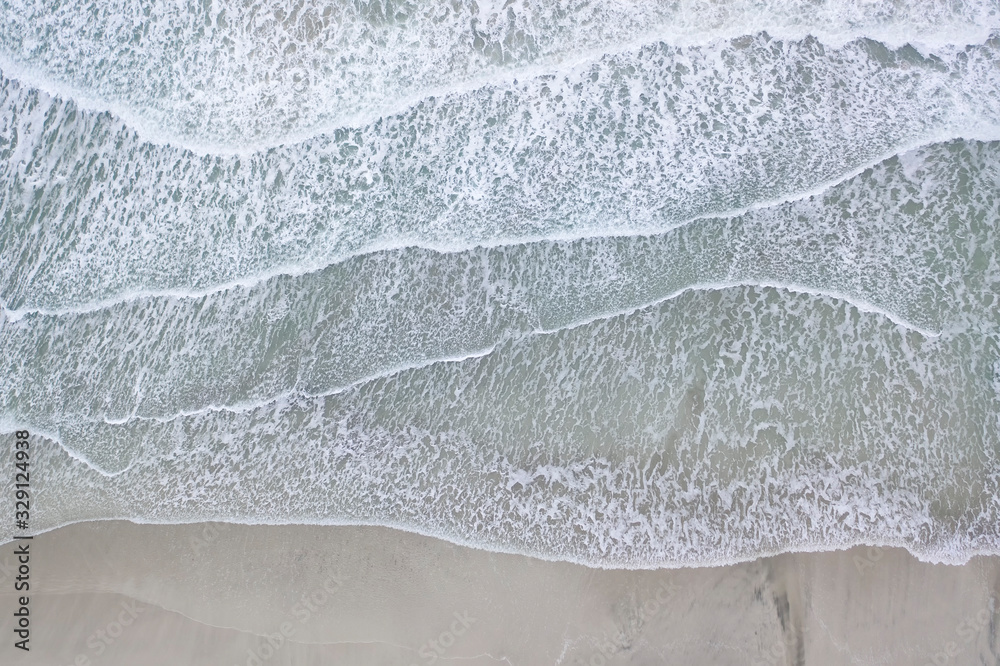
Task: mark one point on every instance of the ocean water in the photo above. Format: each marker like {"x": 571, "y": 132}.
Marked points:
{"x": 627, "y": 284}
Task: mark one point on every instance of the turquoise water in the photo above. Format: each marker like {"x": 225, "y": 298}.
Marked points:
{"x": 628, "y": 285}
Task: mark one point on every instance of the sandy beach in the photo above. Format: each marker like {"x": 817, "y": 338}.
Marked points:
{"x": 119, "y": 593}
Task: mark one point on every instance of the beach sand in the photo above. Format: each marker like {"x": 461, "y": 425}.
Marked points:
{"x": 231, "y": 595}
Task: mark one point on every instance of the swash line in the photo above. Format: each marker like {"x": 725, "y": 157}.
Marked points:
{"x": 804, "y": 547}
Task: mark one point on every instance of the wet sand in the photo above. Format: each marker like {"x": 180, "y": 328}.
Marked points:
{"x": 118, "y": 593}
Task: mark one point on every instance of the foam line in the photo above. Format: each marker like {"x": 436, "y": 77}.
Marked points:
{"x": 290, "y": 396}
{"x": 87, "y": 100}
{"x": 985, "y": 133}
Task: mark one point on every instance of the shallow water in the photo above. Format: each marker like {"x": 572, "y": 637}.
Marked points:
{"x": 628, "y": 286}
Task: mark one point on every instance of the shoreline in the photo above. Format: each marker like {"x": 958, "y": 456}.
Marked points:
{"x": 375, "y": 595}
{"x": 921, "y": 557}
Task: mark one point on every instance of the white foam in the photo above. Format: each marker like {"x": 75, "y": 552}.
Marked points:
{"x": 583, "y": 390}
{"x": 256, "y": 80}
{"x": 578, "y": 418}
{"x": 906, "y": 151}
